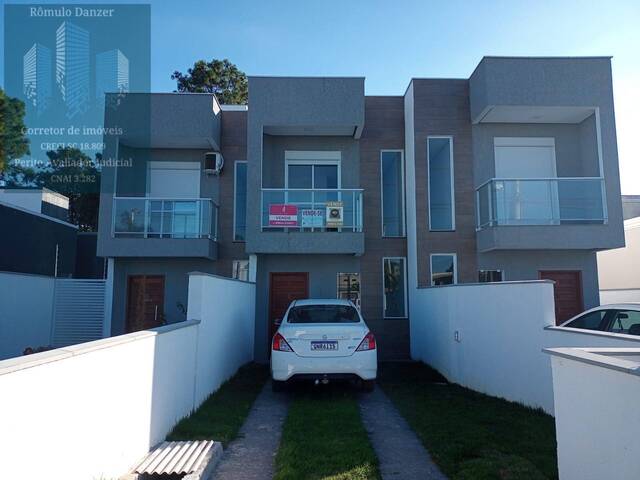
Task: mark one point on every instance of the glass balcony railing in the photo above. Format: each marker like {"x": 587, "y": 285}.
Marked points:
{"x": 541, "y": 201}
{"x": 311, "y": 210}
{"x": 144, "y": 217}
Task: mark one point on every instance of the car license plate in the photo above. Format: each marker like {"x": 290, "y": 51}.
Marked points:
{"x": 324, "y": 345}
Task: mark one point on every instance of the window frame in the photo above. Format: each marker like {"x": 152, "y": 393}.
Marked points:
{"x": 455, "y": 267}
{"x": 235, "y": 187}
{"x": 312, "y": 157}
{"x": 504, "y": 276}
{"x": 359, "y": 302}
{"x": 452, "y": 179}
{"x": 404, "y": 278}
{"x": 403, "y": 194}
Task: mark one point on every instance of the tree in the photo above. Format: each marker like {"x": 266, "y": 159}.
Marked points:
{"x": 220, "y": 77}
{"x": 13, "y": 141}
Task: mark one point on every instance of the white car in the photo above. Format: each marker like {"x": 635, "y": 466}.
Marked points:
{"x": 616, "y": 318}
{"x": 323, "y": 340}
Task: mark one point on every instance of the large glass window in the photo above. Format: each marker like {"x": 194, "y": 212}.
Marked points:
{"x": 392, "y": 180}
{"x": 240, "y": 202}
{"x": 349, "y": 287}
{"x": 440, "y": 161}
{"x": 443, "y": 269}
{"x": 395, "y": 287}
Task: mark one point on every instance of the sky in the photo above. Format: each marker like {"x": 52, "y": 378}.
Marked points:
{"x": 391, "y": 41}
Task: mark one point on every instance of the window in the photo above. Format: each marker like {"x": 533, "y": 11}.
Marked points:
{"x": 240, "y": 270}
{"x": 441, "y": 194}
{"x": 312, "y": 169}
{"x": 444, "y": 270}
{"x": 349, "y": 287}
{"x": 323, "y": 314}
{"x": 240, "y": 202}
{"x": 626, "y": 321}
{"x": 394, "y": 300}
{"x": 592, "y": 321}
{"x": 392, "y": 193}
{"x": 485, "y": 276}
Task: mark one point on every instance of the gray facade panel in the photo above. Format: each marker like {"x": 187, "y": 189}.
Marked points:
{"x": 526, "y": 265}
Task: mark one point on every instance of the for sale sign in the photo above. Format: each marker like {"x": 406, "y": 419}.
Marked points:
{"x": 283, "y": 215}
{"x": 313, "y": 218}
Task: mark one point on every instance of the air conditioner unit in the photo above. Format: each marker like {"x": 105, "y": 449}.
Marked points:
{"x": 213, "y": 163}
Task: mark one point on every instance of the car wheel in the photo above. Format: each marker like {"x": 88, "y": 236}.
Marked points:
{"x": 368, "y": 385}
{"x": 278, "y": 386}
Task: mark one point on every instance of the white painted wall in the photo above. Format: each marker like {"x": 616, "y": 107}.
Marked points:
{"x": 98, "y": 407}
{"x": 617, "y": 277}
{"x": 502, "y": 329}
{"x": 26, "y": 303}
{"x": 631, "y": 295}
{"x": 597, "y": 415}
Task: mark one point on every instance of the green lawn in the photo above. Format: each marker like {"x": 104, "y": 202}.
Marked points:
{"x": 323, "y": 438}
{"x": 222, "y": 414}
{"x": 470, "y": 435}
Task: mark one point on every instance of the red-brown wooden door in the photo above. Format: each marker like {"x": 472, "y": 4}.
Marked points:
{"x": 283, "y": 289}
{"x": 567, "y": 293}
{"x": 145, "y": 302}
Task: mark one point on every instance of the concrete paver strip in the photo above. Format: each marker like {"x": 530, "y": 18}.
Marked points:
{"x": 251, "y": 456}
{"x": 400, "y": 452}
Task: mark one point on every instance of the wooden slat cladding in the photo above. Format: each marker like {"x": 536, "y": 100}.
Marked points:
{"x": 383, "y": 130}
{"x": 234, "y": 148}
{"x": 441, "y": 107}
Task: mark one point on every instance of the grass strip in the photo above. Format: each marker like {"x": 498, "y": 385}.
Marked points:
{"x": 223, "y": 413}
{"x": 323, "y": 438}
{"x": 468, "y": 434}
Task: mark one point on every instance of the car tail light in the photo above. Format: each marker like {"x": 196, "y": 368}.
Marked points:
{"x": 367, "y": 343}
{"x": 280, "y": 344}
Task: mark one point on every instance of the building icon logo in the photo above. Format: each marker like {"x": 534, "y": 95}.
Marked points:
{"x": 72, "y": 72}
{"x": 37, "y": 82}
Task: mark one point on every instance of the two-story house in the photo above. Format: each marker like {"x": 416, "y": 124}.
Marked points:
{"x": 509, "y": 175}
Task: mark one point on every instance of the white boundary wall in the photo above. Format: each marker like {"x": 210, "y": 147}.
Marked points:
{"x": 96, "y": 408}
{"x": 26, "y": 303}
{"x": 501, "y": 329}
{"x": 596, "y": 397}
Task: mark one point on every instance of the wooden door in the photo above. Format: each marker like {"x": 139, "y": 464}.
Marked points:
{"x": 145, "y": 302}
{"x": 567, "y": 293}
{"x": 283, "y": 289}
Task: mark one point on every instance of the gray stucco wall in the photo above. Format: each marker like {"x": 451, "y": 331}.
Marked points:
{"x": 323, "y": 270}
{"x": 525, "y": 265}
{"x": 176, "y": 285}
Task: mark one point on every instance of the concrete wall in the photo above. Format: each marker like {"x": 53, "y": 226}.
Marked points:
{"x": 489, "y": 337}
{"x": 323, "y": 280}
{"x": 26, "y": 303}
{"x": 597, "y": 416}
{"x": 108, "y": 402}
{"x": 526, "y": 265}
{"x": 28, "y": 243}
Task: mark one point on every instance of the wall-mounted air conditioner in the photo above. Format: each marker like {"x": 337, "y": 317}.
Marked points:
{"x": 213, "y": 163}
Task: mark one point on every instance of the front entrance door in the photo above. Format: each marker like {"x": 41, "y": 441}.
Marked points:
{"x": 145, "y": 302}
{"x": 283, "y": 289}
{"x": 567, "y": 293}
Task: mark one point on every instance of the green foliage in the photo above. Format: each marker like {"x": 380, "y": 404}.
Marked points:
{"x": 468, "y": 434}
{"x": 13, "y": 141}
{"x": 323, "y": 438}
{"x": 220, "y": 77}
{"x": 223, "y": 413}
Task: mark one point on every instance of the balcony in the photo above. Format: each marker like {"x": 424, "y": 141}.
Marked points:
{"x": 541, "y": 213}
{"x": 164, "y": 227}
{"x": 310, "y": 221}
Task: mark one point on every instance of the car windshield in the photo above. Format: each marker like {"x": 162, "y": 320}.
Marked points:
{"x": 323, "y": 314}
